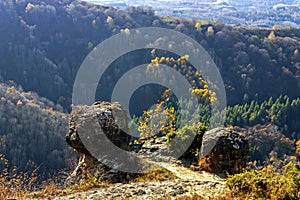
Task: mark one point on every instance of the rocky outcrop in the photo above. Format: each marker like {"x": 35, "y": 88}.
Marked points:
{"x": 184, "y": 181}
{"x": 107, "y": 123}
{"x": 89, "y": 124}
{"x": 223, "y": 150}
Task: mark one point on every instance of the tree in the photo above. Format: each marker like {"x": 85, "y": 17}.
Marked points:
{"x": 198, "y": 26}
{"x": 272, "y": 36}
{"x": 210, "y": 31}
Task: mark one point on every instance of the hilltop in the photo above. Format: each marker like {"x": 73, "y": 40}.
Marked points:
{"x": 253, "y": 13}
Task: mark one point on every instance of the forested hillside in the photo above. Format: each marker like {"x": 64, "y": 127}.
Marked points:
{"x": 32, "y": 129}
{"x": 43, "y": 44}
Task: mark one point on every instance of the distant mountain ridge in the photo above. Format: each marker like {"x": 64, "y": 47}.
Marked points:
{"x": 253, "y": 13}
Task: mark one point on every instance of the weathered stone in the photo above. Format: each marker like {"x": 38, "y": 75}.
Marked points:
{"x": 156, "y": 149}
{"x": 223, "y": 150}
{"x": 154, "y": 190}
{"x": 91, "y": 122}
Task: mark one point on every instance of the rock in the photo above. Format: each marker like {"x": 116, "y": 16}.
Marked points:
{"x": 154, "y": 190}
{"x": 156, "y": 149}
{"x": 223, "y": 150}
{"x": 88, "y": 124}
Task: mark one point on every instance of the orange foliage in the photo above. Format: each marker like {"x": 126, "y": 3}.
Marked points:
{"x": 199, "y": 85}
{"x": 298, "y": 147}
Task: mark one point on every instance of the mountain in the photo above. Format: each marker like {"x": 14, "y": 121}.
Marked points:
{"x": 43, "y": 44}
{"x": 253, "y": 13}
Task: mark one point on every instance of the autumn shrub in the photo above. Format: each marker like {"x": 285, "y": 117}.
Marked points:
{"x": 267, "y": 183}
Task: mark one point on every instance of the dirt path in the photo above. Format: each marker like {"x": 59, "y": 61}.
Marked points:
{"x": 184, "y": 173}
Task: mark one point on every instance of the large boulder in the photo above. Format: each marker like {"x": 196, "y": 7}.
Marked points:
{"x": 223, "y": 150}
{"x": 104, "y": 120}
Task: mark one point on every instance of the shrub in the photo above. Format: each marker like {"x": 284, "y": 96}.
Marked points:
{"x": 182, "y": 135}
{"x": 266, "y": 183}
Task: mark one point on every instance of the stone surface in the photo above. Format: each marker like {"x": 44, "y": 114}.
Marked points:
{"x": 156, "y": 149}
{"x": 223, "y": 150}
{"x": 154, "y": 190}
{"x": 89, "y": 128}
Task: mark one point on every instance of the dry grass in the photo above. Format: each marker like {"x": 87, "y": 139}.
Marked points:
{"x": 53, "y": 190}
{"x": 18, "y": 185}
{"x": 160, "y": 174}
{"x": 13, "y": 183}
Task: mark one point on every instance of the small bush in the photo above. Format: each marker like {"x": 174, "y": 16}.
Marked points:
{"x": 266, "y": 183}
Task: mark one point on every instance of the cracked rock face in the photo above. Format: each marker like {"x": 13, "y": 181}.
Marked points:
{"x": 90, "y": 127}
{"x": 223, "y": 150}
{"x": 103, "y": 117}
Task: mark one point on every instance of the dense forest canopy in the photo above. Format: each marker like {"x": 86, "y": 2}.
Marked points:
{"x": 32, "y": 129}
{"x": 46, "y": 41}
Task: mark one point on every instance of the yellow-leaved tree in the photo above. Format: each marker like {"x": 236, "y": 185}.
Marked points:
{"x": 161, "y": 119}
{"x": 272, "y": 36}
